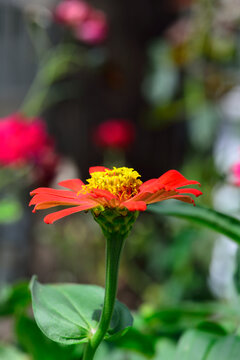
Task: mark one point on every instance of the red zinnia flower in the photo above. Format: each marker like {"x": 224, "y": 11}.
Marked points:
{"x": 119, "y": 188}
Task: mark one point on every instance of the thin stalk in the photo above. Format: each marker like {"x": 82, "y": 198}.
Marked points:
{"x": 113, "y": 253}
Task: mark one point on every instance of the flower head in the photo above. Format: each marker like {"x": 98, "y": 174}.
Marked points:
{"x": 120, "y": 182}
{"x": 119, "y": 189}
{"x": 94, "y": 29}
{"x": 115, "y": 133}
{"x": 236, "y": 173}
{"x": 71, "y": 12}
{"x": 87, "y": 24}
{"x": 22, "y": 139}
{"x": 25, "y": 142}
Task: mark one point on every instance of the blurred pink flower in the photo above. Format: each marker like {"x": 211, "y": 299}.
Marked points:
{"x": 25, "y": 142}
{"x": 94, "y": 29}
{"x": 88, "y": 24}
{"x": 114, "y": 133}
{"x": 236, "y": 173}
{"x": 71, "y": 12}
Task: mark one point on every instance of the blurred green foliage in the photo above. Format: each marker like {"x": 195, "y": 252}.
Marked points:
{"x": 186, "y": 331}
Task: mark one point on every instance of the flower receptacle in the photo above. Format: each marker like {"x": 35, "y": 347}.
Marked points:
{"x": 115, "y": 222}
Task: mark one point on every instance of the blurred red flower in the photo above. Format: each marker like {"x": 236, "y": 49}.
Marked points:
{"x": 25, "y": 141}
{"x": 119, "y": 189}
{"x": 114, "y": 133}
{"x": 88, "y": 24}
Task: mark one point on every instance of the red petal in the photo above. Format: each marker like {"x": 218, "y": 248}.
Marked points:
{"x": 102, "y": 193}
{"x": 183, "y": 198}
{"x": 151, "y": 186}
{"x": 73, "y": 184}
{"x": 157, "y": 196}
{"x": 97, "y": 169}
{"x": 49, "y": 191}
{"x": 44, "y": 205}
{"x": 135, "y": 205}
{"x": 174, "y": 179}
{"x": 51, "y": 218}
{"x": 195, "y": 192}
{"x": 41, "y": 198}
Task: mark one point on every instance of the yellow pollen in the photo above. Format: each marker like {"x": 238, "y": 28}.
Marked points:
{"x": 122, "y": 182}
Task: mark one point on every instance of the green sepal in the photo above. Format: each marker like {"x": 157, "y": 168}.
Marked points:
{"x": 115, "y": 222}
{"x": 69, "y": 313}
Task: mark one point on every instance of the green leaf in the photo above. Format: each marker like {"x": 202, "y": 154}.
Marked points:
{"x": 227, "y": 348}
{"x": 212, "y": 327}
{"x": 135, "y": 340}
{"x": 165, "y": 350}
{"x": 222, "y": 223}
{"x": 120, "y": 355}
{"x": 14, "y": 298}
{"x": 69, "y": 313}
{"x": 105, "y": 353}
{"x": 216, "y": 317}
{"x": 199, "y": 345}
{"x": 195, "y": 344}
{"x": 121, "y": 322}
{"x": 39, "y": 346}
{"x": 172, "y": 321}
{"x": 11, "y": 353}
{"x": 102, "y": 352}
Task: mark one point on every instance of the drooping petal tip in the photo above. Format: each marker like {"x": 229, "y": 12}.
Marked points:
{"x": 51, "y": 218}
{"x": 175, "y": 179}
{"x": 73, "y": 184}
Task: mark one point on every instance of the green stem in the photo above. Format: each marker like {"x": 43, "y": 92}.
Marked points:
{"x": 113, "y": 253}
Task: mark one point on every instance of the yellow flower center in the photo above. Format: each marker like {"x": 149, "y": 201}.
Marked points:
{"x": 122, "y": 182}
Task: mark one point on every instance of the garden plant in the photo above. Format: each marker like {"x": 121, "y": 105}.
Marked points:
{"x": 69, "y": 313}
{"x": 147, "y": 85}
